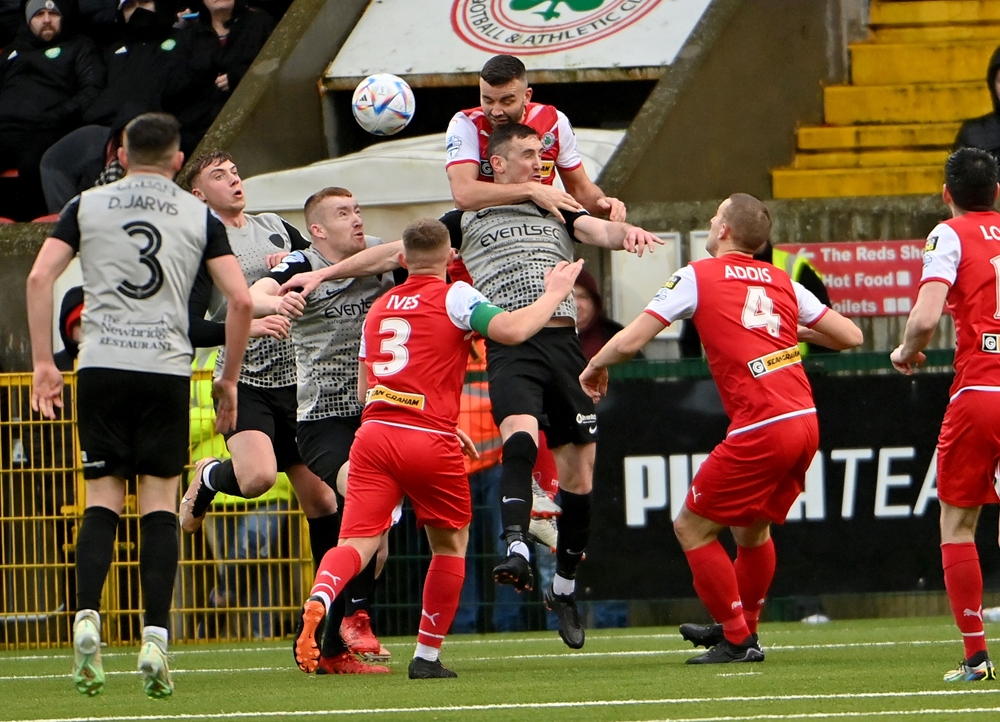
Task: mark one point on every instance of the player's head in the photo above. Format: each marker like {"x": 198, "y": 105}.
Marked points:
{"x": 743, "y": 221}
{"x": 515, "y": 152}
{"x": 503, "y": 90}
{"x": 970, "y": 180}
{"x": 152, "y": 142}
{"x": 426, "y": 246}
{"x": 333, "y": 219}
{"x": 214, "y": 178}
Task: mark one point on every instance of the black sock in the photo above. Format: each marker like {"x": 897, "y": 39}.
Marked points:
{"x": 519, "y": 454}
{"x": 95, "y": 547}
{"x": 159, "y": 548}
{"x": 324, "y": 531}
{"x": 203, "y": 499}
{"x": 359, "y": 591}
{"x": 223, "y": 478}
{"x": 333, "y": 643}
{"x": 574, "y": 532}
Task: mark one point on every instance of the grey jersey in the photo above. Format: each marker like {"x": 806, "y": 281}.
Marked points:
{"x": 268, "y": 362}
{"x": 507, "y": 250}
{"x": 141, "y": 242}
{"x": 328, "y": 334}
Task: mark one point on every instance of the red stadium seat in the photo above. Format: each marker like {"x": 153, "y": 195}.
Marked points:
{"x": 5, "y": 221}
{"x": 50, "y": 218}
{"x": 10, "y": 173}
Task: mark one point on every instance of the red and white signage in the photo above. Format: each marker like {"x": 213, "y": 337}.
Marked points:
{"x": 867, "y": 278}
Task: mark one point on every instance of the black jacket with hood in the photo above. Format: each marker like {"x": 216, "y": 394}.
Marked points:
{"x": 984, "y": 132}
{"x": 48, "y": 85}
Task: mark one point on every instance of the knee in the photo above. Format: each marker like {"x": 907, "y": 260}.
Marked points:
{"x": 257, "y": 482}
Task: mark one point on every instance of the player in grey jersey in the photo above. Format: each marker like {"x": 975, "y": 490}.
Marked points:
{"x": 506, "y": 250}
{"x": 326, "y": 334}
{"x": 141, "y": 241}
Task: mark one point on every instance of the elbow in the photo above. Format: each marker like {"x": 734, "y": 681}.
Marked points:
{"x": 241, "y": 304}
{"x": 463, "y": 201}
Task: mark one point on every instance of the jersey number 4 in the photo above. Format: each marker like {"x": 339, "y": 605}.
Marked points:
{"x": 147, "y": 257}
{"x": 758, "y": 311}
{"x": 394, "y": 345}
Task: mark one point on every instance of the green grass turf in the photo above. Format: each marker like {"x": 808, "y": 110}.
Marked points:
{"x": 859, "y": 669}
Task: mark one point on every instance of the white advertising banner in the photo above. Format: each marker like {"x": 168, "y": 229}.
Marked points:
{"x": 448, "y": 37}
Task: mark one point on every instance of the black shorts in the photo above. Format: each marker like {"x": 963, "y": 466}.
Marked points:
{"x": 131, "y": 423}
{"x": 541, "y": 377}
{"x": 271, "y": 411}
{"x": 325, "y": 445}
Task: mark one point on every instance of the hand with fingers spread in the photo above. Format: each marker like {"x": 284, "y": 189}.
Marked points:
{"x": 273, "y": 326}
{"x": 46, "y": 390}
{"x": 637, "y": 240}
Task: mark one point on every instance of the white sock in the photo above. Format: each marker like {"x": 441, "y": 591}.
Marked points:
{"x": 88, "y": 613}
{"x": 327, "y": 602}
{"x": 160, "y": 635}
{"x": 563, "y": 587}
{"x": 431, "y": 654}
{"x": 521, "y": 548}
{"x": 204, "y": 475}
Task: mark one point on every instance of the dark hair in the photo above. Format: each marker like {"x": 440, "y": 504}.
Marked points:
{"x": 424, "y": 235}
{"x": 970, "y": 175}
{"x": 502, "y": 69}
{"x": 206, "y": 160}
{"x": 503, "y": 134}
{"x": 749, "y": 220}
{"x": 151, "y": 139}
{"x": 321, "y": 195}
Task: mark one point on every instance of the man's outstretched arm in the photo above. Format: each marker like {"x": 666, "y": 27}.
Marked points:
{"x": 369, "y": 262}
{"x": 920, "y": 325}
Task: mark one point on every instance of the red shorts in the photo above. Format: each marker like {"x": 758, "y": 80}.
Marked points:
{"x": 968, "y": 449}
{"x": 756, "y": 474}
{"x": 389, "y": 462}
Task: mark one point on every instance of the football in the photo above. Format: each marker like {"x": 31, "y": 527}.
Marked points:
{"x": 383, "y": 104}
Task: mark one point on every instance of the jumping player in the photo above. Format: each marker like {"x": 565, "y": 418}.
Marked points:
{"x": 747, "y": 313}
{"x": 961, "y": 269}
{"x": 141, "y": 241}
{"x": 413, "y": 357}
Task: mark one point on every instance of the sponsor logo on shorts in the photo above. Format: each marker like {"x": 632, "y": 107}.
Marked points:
{"x": 586, "y": 418}
{"x": 399, "y": 398}
{"x": 991, "y": 342}
{"x": 774, "y": 361}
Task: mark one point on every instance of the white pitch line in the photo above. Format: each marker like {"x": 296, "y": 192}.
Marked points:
{"x": 567, "y": 705}
{"x": 832, "y": 715}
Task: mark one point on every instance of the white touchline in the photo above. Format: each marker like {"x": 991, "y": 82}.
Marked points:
{"x": 582, "y": 704}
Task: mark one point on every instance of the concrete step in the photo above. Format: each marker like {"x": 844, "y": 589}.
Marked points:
{"x": 898, "y": 63}
{"x": 936, "y": 33}
{"x": 858, "y": 137}
{"x": 869, "y": 159}
{"x": 844, "y": 182}
{"x": 934, "y": 12}
{"x": 912, "y": 103}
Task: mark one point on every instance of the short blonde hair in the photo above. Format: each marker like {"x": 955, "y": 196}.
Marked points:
{"x": 312, "y": 203}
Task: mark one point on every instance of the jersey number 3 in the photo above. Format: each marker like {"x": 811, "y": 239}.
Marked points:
{"x": 758, "y": 311}
{"x": 394, "y": 345}
{"x": 147, "y": 257}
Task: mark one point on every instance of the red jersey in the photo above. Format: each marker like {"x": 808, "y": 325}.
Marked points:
{"x": 415, "y": 345}
{"x": 747, "y": 314}
{"x": 469, "y": 134}
{"x": 964, "y": 253}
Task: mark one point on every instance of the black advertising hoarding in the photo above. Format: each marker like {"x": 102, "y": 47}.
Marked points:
{"x": 867, "y": 522}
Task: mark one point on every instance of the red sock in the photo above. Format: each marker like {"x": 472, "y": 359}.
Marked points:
{"x": 715, "y": 583}
{"x": 963, "y": 579}
{"x": 442, "y": 587}
{"x": 545, "y": 472}
{"x": 338, "y": 566}
{"x": 754, "y": 572}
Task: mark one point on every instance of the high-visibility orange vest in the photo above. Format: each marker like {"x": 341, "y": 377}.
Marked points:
{"x": 475, "y": 415}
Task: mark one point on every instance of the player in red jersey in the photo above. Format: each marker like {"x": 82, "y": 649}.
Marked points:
{"x": 413, "y": 355}
{"x": 506, "y": 98}
{"x": 962, "y": 268}
{"x": 750, "y": 316}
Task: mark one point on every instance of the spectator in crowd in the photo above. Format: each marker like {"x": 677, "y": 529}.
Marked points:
{"x": 144, "y": 68}
{"x": 224, "y": 40}
{"x": 10, "y": 20}
{"x": 594, "y": 328}
{"x": 70, "y": 328}
{"x": 984, "y": 132}
{"x": 49, "y": 75}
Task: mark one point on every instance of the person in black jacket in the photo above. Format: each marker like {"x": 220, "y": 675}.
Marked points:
{"x": 984, "y": 132}
{"x": 48, "y": 77}
{"x": 224, "y": 42}
{"x": 144, "y": 67}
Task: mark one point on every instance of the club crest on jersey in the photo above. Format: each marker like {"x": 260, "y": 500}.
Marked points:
{"x": 774, "y": 361}
{"x": 991, "y": 342}
{"x": 931, "y": 244}
{"x": 548, "y": 140}
{"x": 672, "y": 283}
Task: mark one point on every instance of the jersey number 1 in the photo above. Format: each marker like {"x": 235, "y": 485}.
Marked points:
{"x": 758, "y": 311}
{"x": 394, "y": 345}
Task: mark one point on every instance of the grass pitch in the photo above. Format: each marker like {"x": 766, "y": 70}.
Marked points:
{"x": 859, "y": 669}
